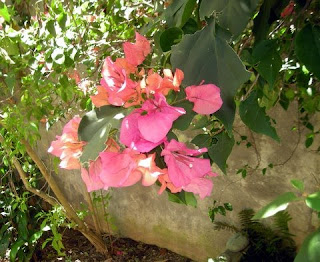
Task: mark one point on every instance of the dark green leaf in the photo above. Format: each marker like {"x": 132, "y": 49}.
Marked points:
{"x": 206, "y": 56}
{"x": 310, "y": 249}
{"x": 170, "y": 37}
{"x": 313, "y": 201}
{"x": 279, "y": 204}
{"x": 178, "y": 13}
{"x": 307, "y": 48}
{"x": 298, "y": 184}
{"x": 232, "y": 14}
{"x": 228, "y": 206}
{"x": 220, "y": 151}
{"x": 222, "y": 210}
{"x": 4, "y": 243}
{"x": 22, "y": 222}
{"x": 175, "y": 198}
{"x": 183, "y": 122}
{"x": 202, "y": 140}
{"x": 309, "y": 141}
{"x": 172, "y": 135}
{"x": 190, "y": 26}
{"x": 255, "y": 117}
{"x": 267, "y": 60}
{"x": 94, "y": 128}
{"x": 15, "y": 248}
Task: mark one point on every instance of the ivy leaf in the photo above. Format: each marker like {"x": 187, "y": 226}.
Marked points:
{"x": 255, "y": 117}
{"x": 220, "y": 151}
{"x": 307, "y": 48}
{"x": 267, "y": 60}
{"x": 310, "y": 249}
{"x": 279, "y": 204}
{"x": 227, "y": 11}
{"x": 206, "y": 56}
{"x": 94, "y": 128}
{"x": 178, "y": 13}
{"x": 170, "y": 37}
{"x": 313, "y": 201}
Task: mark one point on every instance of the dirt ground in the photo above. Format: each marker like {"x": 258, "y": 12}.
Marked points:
{"x": 79, "y": 249}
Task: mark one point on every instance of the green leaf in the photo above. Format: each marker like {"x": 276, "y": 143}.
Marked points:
{"x": 58, "y": 56}
{"x": 94, "y": 128}
{"x": 206, "y": 56}
{"x": 183, "y": 197}
{"x": 255, "y": 117}
{"x": 307, "y": 48}
{"x": 62, "y": 19}
{"x": 15, "y": 248}
{"x": 178, "y": 13}
{"x": 231, "y": 14}
{"x": 309, "y": 140}
{"x": 267, "y": 60}
{"x": 4, "y": 12}
{"x": 190, "y": 199}
{"x": 170, "y": 37}
{"x": 50, "y": 27}
{"x": 310, "y": 249}
{"x": 298, "y": 184}
{"x": 313, "y": 201}
{"x": 279, "y": 204}
{"x": 220, "y": 151}
{"x": 22, "y": 222}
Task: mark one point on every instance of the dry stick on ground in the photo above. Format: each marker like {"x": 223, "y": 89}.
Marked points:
{"x": 70, "y": 213}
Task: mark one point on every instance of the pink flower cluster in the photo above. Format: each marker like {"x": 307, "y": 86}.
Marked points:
{"x": 144, "y": 129}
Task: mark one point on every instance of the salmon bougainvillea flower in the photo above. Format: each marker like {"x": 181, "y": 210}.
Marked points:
{"x": 67, "y": 146}
{"x": 147, "y": 127}
{"x": 183, "y": 167}
{"x": 156, "y": 84}
{"x": 206, "y": 98}
{"x": 136, "y": 53}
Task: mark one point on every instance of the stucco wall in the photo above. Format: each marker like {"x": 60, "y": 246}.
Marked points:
{"x": 139, "y": 213}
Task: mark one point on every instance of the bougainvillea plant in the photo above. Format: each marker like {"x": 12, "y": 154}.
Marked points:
{"x": 140, "y": 104}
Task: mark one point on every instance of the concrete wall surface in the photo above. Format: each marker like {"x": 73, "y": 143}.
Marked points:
{"x": 140, "y": 213}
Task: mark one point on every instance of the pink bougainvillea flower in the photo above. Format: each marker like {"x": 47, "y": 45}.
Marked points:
{"x": 183, "y": 167}
{"x": 119, "y": 87}
{"x": 67, "y": 146}
{"x": 100, "y": 99}
{"x": 136, "y": 53}
{"x": 156, "y": 84}
{"x": 147, "y": 127}
{"x": 119, "y": 169}
{"x": 166, "y": 183}
{"x": 206, "y": 98}
{"x": 91, "y": 178}
{"x": 200, "y": 186}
